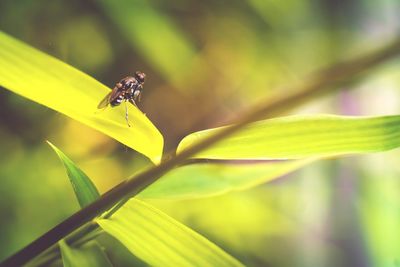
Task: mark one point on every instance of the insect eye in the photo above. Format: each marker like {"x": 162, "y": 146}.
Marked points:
{"x": 140, "y": 76}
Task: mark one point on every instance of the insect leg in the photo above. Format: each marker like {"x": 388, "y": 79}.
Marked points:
{"x": 140, "y": 97}
{"x": 126, "y": 114}
{"x": 132, "y": 101}
{"x": 137, "y": 95}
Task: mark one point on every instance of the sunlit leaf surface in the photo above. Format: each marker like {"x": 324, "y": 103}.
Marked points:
{"x": 204, "y": 180}
{"x": 85, "y": 191}
{"x": 159, "y": 240}
{"x": 89, "y": 254}
{"x": 297, "y": 137}
{"x": 50, "y": 82}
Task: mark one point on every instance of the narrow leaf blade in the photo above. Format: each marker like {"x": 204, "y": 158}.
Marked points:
{"x": 89, "y": 254}
{"x": 85, "y": 191}
{"x": 205, "y": 180}
{"x": 298, "y": 137}
{"x": 159, "y": 240}
{"x": 52, "y": 83}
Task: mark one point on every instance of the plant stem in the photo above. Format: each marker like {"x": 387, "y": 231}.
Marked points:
{"x": 322, "y": 82}
{"x": 79, "y": 238}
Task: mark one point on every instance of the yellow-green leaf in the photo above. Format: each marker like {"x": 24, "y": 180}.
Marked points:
{"x": 210, "y": 179}
{"x": 85, "y": 191}
{"x": 89, "y": 254}
{"x": 50, "y": 82}
{"x": 160, "y": 240}
{"x": 297, "y": 137}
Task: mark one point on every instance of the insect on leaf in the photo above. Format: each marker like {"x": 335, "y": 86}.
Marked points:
{"x": 54, "y": 84}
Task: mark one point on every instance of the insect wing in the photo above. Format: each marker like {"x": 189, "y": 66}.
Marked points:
{"x": 105, "y": 101}
{"x": 118, "y": 90}
{"x": 110, "y": 97}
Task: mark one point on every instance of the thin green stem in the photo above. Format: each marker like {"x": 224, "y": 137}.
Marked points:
{"x": 322, "y": 82}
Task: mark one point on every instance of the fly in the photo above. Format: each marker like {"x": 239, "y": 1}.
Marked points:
{"x": 128, "y": 89}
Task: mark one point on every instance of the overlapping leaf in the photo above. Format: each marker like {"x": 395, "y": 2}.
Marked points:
{"x": 85, "y": 191}
{"x": 207, "y": 179}
{"x": 88, "y": 255}
{"x": 50, "y": 82}
{"x": 297, "y": 137}
{"x": 159, "y": 240}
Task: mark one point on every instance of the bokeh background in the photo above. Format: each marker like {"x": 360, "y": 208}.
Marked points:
{"x": 207, "y": 62}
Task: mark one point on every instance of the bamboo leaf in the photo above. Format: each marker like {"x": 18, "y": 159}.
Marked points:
{"x": 205, "y": 180}
{"x": 85, "y": 191}
{"x": 89, "y": 254}
{"x": 159, "y": 240}
{"x": 298, "y": 137}
{"x": 52, "y": 83}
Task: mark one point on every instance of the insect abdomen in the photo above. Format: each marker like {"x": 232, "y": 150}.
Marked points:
{"x": 117, "y": 101}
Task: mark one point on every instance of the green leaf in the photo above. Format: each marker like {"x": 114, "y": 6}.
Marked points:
{"x": 52, "y": 83}
{"x": 298, "y": 137}
{"x": 205, "y": 180}
{"x": 159, "y": 240}
{"x": 89, "y": 254}
{"x": 85, "y": 191}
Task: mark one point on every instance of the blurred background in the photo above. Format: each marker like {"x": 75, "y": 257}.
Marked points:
{"x": 206, "y": 62}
